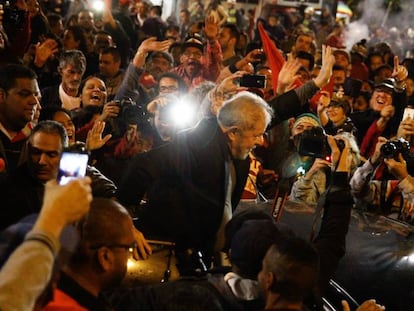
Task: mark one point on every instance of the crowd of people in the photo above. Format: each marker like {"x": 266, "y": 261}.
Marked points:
{"x": 177, "y": 136}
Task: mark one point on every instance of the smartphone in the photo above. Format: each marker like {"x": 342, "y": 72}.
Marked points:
{"x": 408, "y": 113}
{"x": 257, "y": 81}
{"x": 72, "y": 165}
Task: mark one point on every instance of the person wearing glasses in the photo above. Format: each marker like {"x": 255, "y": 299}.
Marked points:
{"x": 100, "y": 261}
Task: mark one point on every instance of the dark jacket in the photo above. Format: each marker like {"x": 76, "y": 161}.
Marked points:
{"x": 22, "y": 194}
{"x": 50, "y": 97}
{"x": 186, "y": 182}
{"x": 330, "y": 241}
{"x": 363, "y": 119}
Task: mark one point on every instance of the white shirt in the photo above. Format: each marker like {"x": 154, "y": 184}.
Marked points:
{"x": 68, "y": 102}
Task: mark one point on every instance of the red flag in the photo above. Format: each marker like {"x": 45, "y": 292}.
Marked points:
{"x": 274, "y": 57}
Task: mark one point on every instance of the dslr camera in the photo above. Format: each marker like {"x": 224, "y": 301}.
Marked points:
{"x": 392, "y": 148}
{"x": 314, "y": 143}
{"x": 130, "y": 111}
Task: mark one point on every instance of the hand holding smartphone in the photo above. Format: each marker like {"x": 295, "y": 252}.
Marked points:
{"x": 255, "y": 81}
{"x": 72, "y": 165}
{"x": 408, "y": 113}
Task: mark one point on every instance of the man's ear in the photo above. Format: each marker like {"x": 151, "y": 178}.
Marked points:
{"x": 60, "y": 71}
{"x": 269, "y": 279}
{"x": 291, "y": 121}
{"x": 105, "y": 258}
{"x": 232, "y": 132}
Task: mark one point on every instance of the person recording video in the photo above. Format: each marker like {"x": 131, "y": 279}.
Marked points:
{"x": 313, "y": 159}
{"x": 383, "y": 184}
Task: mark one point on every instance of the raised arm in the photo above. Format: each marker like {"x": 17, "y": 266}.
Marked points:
{"x": 28, "y": 270}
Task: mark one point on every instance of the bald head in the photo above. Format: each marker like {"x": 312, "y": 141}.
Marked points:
{"x": 103, "y": 222}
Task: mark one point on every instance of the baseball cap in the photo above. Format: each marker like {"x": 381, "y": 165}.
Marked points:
{"x": 165, "y": 55}
{"x": 343, "y": 52}
{"x": 386, "y": 85}
{"x": 193, "y": 42}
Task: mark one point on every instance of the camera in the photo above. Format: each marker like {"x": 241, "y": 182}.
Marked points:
{"x": 257, "y": 81}
{"x": 314, "y": 143}
{"x": 392, "y": 148}
{"x": 130, "y": 111}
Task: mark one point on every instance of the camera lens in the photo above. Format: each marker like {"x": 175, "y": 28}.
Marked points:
{"x": 392, "y": 148}
{"x": 389, "y": 150}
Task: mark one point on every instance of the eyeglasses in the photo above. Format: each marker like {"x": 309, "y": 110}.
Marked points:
{"x": 128, "y": 247}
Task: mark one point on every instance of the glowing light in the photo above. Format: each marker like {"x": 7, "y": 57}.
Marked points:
{"x": 410, "y": 258}
{"x": 183, "y": 113}
{"x": 131, "y": 263}
{"x": 98, "y": 5}
{"x": 300, "y": 170}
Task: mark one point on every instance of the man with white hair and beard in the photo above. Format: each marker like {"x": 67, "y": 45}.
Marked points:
{"x": 195, "y": 182}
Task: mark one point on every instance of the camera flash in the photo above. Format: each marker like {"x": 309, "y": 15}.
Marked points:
{"x": 98, "y": 5}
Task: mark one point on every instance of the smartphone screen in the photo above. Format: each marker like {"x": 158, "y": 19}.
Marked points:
{"x": 72, "y": 165}
{"x": 408, "y": 113}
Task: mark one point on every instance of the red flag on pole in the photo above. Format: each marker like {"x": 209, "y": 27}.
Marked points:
{"x": 274, "y": 57}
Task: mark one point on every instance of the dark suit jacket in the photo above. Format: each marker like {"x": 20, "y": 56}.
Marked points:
{"x": 186, "y": 183}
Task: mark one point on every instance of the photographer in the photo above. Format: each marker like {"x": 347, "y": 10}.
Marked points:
{"x": 313, "y": 184}
{"x": 383, "y": 184}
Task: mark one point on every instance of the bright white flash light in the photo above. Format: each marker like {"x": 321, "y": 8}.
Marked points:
{"x": 183, "y": 113}
{"x": 98, "y": 5}
{"x": 300, "y": 170}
